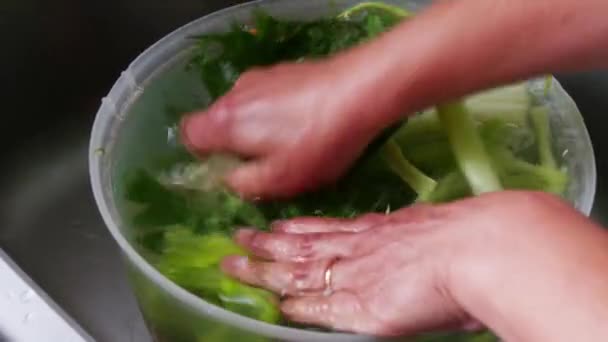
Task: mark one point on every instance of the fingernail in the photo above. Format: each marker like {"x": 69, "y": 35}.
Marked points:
{"x": 234, "y": 262}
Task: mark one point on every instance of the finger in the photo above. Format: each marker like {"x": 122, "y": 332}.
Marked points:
{"x": 255, "y": 179}
{"x": 419, "y": 214}
{"x": 304, "y": 225}
{"x": 302, "y": 247}
{"x": 472, "y": 326}
{"x": 283, "y": 278}
{"x": 266, "y": 178}
{"x": 249, "y": 78}
{"x": 339, "y": 311}
{"x": 207, "y": 131}
{"x": 231, "y": 124}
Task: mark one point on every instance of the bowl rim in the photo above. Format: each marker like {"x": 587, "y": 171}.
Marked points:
{"x": 588, "y": 198}
{"x": 101, "y": 136}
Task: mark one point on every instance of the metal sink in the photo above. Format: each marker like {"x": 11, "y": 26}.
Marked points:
{"x": 61, "y": 59}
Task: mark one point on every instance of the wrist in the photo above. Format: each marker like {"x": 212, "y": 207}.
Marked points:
{"x": 371, "y": 93}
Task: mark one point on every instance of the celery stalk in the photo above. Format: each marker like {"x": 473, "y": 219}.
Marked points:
{"x": 468, "y": 148}
{"x": 409, "y": 173}
{"x": 375, "y": 6}
{"x": 548, "y": 84}
{"x": 510, "y": 102}
{"x": 540, "y": 122}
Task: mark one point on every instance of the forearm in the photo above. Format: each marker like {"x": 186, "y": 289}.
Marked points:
{"x": 459, "y": 47}
{"x": 548, "y": 284}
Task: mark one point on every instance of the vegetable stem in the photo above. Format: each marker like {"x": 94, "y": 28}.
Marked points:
{"x": 548, "y": 84}
{"x": 366, "y": 6}
{"x": 540, "y": 121}
{"x": 468, "y": 148}
{"x": 408, "y": 172}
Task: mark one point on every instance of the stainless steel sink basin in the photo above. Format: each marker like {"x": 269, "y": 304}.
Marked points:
{"x": 61, "y": 59}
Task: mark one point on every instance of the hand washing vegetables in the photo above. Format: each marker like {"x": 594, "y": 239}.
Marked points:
{"x": 497, "y": 139}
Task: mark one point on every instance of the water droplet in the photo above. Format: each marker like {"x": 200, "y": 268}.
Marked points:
{"x": 27, "y": 295}
{"x": 120, "y": 116}
{"x": 388, "y": 209}
{"x": 171, "y": 136}
{"x": 100, "y": 151}
{"x": 129, "y": 78}
{"x": 138, "y": 91}
{"x": 28, "y": 317}
{"x": 109, "y": 103}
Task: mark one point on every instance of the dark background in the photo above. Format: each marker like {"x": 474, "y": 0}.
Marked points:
{"x": 57, "y": 60}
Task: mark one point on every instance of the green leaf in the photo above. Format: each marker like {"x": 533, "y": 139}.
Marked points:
{"x": 192, "y": 261}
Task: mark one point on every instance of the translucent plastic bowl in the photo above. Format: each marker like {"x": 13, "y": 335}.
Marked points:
{"x": 129, "y": 132}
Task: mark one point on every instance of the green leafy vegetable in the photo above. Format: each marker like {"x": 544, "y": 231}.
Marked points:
{"x": 161, "y": 206}
{"x": 192, "y": 260}
{"x": 221, "y": 58}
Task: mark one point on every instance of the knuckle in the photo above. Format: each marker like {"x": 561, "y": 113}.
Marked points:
{"x": 225, "y": 108}
{"x": 304, "y": 246}
{"x": 221, "y": 119}
{"x": 258, "y": 241}
{"x": 265, "y": 273}
{"x": 305, "y": 276}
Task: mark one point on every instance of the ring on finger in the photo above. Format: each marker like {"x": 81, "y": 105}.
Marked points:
{"x": 327, "y": 277}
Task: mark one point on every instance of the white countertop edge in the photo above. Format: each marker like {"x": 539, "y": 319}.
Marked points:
{"x": 28, "y": 314}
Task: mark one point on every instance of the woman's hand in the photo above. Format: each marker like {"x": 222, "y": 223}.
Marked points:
{"x": 303, "y": 124}
{"x": 520, "y": 263}
{"x": 390, "y": 273}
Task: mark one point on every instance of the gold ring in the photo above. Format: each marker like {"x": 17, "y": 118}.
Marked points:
{"x": 328, "y": 279}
